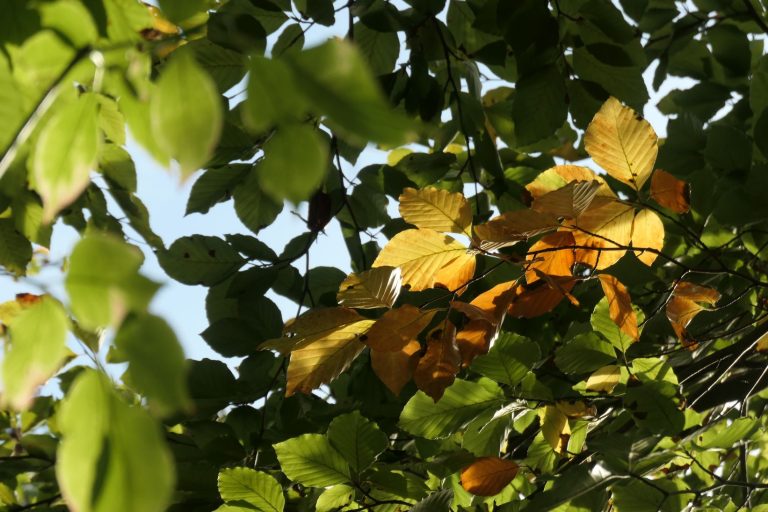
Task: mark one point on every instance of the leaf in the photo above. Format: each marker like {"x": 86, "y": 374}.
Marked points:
{"x": 438, "y": 501}
{"x": 323, "y": 360}
{"x": 103, "y": 281}
{"x": 685, "y": 304}
{"x": 420, "y": 254}
{"x": 286, "y": 173}
{"x": 438, "y": 367}
{"x": 670, "y": 192}
{"x": 112, "y": 458}
{"x": 654, "y": 406}
{"x": 357, "y": 439}
{"x": 457, "y": 274}
{"x": 619, "y": 305}
{"x": 253, "y": 207}
{"x": 37, "y": 350}
{"x": 311, "y": 460}
{"x": 334, "y": 498}
{"x": 606, "y": 226}
{"x": 337, "y": 81}
{"x": 316, "y": 325}
{"x": 487, "y": 476}
{"x": 474, "y": 340}
{"x": 584, "y": 353}
{"x": 551, "y": 256}
{"x": 555, "y": 428}
{"x": 462, "y": 401}
{"x": 259, "y": 490}
{"x": 395, "y": 369}
{"x": 569, "y": 201}
{"x": 199, "y": 259}
{"x": 604, "y": 379}
{"x": 156, "y": 364}
{"x": 371, "y": 289}
{"x": 647, "y": 231}
{"x": 541, "y": 297}
{"x": 559, "y": 176}
{"x": 509, "y": 360}
{"x": 397, "y": 328}
{"x": 381, "y": 49}
{"x": 622, "y": 143}
{"x": 65, "y": 154}
{"x": 440, "y": 210}
{"x": 511, "y": 227}
{"x": 185, "y": 113}
{"x": 15, "y": 249}
{"x": 273, "y": 95}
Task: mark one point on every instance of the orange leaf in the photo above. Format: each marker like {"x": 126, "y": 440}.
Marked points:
{"x": 395, "y": 369}
{"x": 487, "y": 476}
{"x": 620, "y": 305}
{"x": 475, "y": 340}
{"x": 569, "y": 201}
{"x": 438, "y": 367}
{"x": 456, "y": 274}
{"x": 670, "y": 192}
{"x": 397, "y": 328}
{"x": 538, "y": 298}
{"x": 515, "y": 226}
{"x": 555, "y": 262}
{"x": 647, "y": 231}
{"x": 606, "y": 226}
{"x": 685, "y": 304}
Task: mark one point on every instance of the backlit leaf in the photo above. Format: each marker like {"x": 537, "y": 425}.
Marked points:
{"x": 357, "y": 439}
{"x": 375, "y": 288}
{"x": 314, "y": 325}
{"x": 440, "y": 210}
{"x": 686, "y": 303}
{"x": 604, "y": 379}
{"x": 619, "y": 305}
{"x": 670, "y": 192}
{"x": 456, "y": 274}
{"x": 312, "y": 461}
{"x": 487, "y": 476}
{"x": 555, "y": 428}
{"x": 420, "y": 254}
{"x": 395, "y": 369}
{"x": 569, "y": 201}
{"x": 559, "y": 176}
{"x": 622, "y": 143}
{"x": 515, "y": 226}
{"x": 556, "y": 259}
{"x": 397, "y": 328}
{"x": 257, "y": 489}
{"x": 438, "y": 367}
{"x": 647, "y": 231}
{"x": 606, "y": 226}
{"x": 540, "y": 297}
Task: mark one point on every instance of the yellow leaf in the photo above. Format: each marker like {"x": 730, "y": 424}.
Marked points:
{"x": 622, "y": 143}
{"x": 554, "y": 261}
{"x": 457, "y": 273}
{"x": 670, "y": 192}
{"x": 648, "y": 232}
{"x": 438, "y": 367}
{"x": 487, "y": 476}
{"x": 620, "y": 305}
{"x": 432, "y": 208}
{"x": 374, "y": 288}
{"x": 420, "y": 254}
{"x": 511, "y": 227}
{"x": 560, "y": 175}
{"x": 555, "y": 428}
{"x": 685, "y": 304}
{"x": 604, "y": 379}
{"x": 397, "y": 327}
{"x": 314, "y": 325}
{"x": 396, "y": 155}
{"x": 395, "y": 369}
{"x": 576, "y": 408}
{"x": 323, "y": 360}
{"x": 607, "y": 224}
{"x": 569, "y": 201}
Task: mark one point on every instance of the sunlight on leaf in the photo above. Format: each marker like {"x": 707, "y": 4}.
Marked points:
{"x": 670, "y": 192}
{"x": 487, "y": 476}
{"x": 432, "y": 208}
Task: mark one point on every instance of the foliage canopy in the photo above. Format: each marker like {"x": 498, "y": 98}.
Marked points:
{"x": 537, "y": 331}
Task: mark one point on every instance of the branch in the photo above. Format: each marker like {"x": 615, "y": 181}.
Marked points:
{"x": 756, "y": 15}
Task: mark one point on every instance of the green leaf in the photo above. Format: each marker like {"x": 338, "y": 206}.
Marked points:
{"x": 654, "y": 407}
{"x": 273, "y": 95}
{"x": 726, "y": 434}
{"x": 334, "y": 498}
{"x": 104, "y": 283}
{"x": 539, "y": 107}
{"x": 602, "y": 323}
{"x": 570, "y": 485}
{"x": 112, "y": 457}
{"x": 214, "y": 186}
{"x": 254, "y": 208}
{"x": 462, "y": 402}
{"x": 198, "y": 259}
{"x": 37, "y": 350}
{"x": 226, "y": 67}
{"x": 311, "y": 460}
{"x": 186, "y": 113}
{"x": 180, "y": 11}
{"x": 287, "y": 173}
{"x": 156, "y": 362}
{"x": 380, "y": 49}
{"x": 637, "y": 496}
{"x": 509, "y": 360}
{"x": 625, "y": 83}
{"x": 259, "y": 490}
{"x": 335, "y": 77}
{"x": 65, "y": 154}
{"x": 15, "y": 249}
{"x": 357, "y": 439}
{"x": 585, "y": 353}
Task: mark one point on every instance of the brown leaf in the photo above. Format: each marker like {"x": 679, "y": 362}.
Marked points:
{"x": 647, "y": 231}
{"x": 538, "y": 298}
{"x": 475, "y": 340}
{"x": 438, "y": 367}
{"x": 395, "y": 369}
{"x": 620, "y": 305}
{"x": 569, "y": 201}
{"x": 397, "y": 328}
{"x": 554, "y": 262}
{"x": 604, "y": 379}
{"x": 515, "y": 226}
{"x": 670, "y": 192}
{"x": 685, "y": 304}
{"x": 488, "y": 476}
{"x": 607, "y": 224}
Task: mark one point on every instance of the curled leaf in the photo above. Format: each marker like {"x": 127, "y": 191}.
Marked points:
{"x": 560, "y": 175}
{"x": 685, "y": 304}
{"x": 569, "y": 201}
{"x": 511, "y": 227}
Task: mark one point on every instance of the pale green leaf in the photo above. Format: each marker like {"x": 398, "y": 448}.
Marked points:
{"x": 358, "y": 439}
{"x": 312, "y": 461}
{"x": 259, "y": 490}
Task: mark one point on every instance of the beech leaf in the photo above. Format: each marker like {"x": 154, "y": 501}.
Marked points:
{"x": 487, "y": 476}
{"x": 432, "y": 208}
{"x": 438, "y": 367}
{"x": 569, "y": 201}
{"x": 685, "y": 304}
{"x": 620, "y": 305}
{"x": 557, "y": 260}
{"x": 670, "y": 192}
{"x": 604, "y": 379}
{"x": 647, "y": 231}
{"x": 398, "y": 327}
{"x": 607, "y": 224}
{"x": 395, "y": 369}
{"x": 374, "y": 288}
